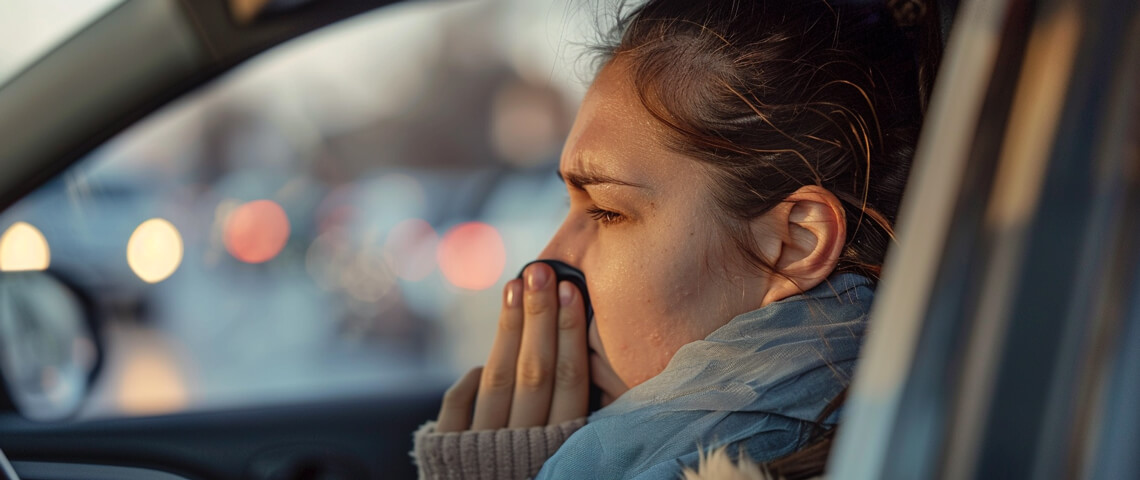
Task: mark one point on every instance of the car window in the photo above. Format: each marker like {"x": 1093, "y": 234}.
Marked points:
{"x": 30, "y": 28}
{"x": 336, "y": 217}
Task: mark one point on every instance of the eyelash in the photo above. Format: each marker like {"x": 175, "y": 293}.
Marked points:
{"x": 604, "y": 217}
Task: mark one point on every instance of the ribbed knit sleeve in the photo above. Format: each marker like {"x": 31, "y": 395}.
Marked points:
{"x": 507, "y": 453}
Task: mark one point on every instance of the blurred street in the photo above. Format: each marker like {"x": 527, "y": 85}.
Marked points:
{"x": 338, "y": 215}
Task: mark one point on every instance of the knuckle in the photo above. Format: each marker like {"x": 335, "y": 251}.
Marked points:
{"x": 569, "y": 321}
{"x": 569, "y": 374}
{"x": 537, "y": 304}
{"x": 533, "y": 374}
{"x": 498, "y": 379}
{"x": 510, "y": 323}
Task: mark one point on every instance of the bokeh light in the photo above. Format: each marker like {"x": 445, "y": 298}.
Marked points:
{"x": 150, "y": 381}
{"x": 257, "y": 231}
{"x": 154, "y": 250}
{"x": 23, "y": 248}
{"x": 472, "y": 256}
{"x": 411, "y": 249}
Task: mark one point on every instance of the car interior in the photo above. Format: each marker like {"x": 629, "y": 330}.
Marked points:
{"x": 1005, "y": 337}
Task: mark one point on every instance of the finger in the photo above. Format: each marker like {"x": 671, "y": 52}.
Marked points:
{"x": 571, "y": 396}
{"x": 534, "y": 376}
{"x": 493, "y": 402}
{"x": 455, "y": 414}
{"x": 603, "y": 375}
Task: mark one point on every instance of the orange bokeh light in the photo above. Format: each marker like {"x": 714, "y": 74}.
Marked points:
{"x": 255, "y": 232}
{"x": 472, "y": 256}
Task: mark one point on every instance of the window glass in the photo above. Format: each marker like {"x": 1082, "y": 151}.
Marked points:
{"x": 30, "y": 28}
{"x": 336, "y": 217}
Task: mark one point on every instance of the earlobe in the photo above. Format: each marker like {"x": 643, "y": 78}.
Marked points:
{"x": 814, "y": 230}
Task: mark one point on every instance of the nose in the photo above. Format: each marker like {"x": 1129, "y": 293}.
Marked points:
{"x": 566, "y": 245}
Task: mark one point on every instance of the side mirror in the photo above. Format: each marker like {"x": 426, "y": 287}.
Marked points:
{"x": 49, "y": 348}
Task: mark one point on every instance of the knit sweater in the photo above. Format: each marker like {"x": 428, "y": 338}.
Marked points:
{"x": 488, "y": 454}
{"x": 455, "y": 455}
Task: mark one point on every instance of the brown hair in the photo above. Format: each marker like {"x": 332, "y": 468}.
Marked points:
{"x": 774, "y": 95}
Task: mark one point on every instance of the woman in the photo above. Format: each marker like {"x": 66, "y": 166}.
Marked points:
{"x": 734, "y": 172}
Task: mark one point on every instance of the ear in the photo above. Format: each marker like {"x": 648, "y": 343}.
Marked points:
{"x": 812, "y": 231}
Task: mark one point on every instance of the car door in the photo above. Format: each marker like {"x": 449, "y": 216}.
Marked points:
{"x": 282, "y": 226}
{"x": 1004, "y": 343}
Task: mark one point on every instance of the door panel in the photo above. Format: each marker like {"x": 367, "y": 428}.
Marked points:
{"x": 367, "y": 437}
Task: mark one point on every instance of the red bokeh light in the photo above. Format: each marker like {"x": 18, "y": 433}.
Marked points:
{"x": 472, "y": 256}
{"x": 255, "y": 232}
{"x": 411, "y": 249}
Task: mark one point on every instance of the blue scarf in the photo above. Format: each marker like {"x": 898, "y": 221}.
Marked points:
{"x": 759, "y": 382}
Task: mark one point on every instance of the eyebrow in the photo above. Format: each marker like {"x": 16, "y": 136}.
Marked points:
{"x": 581, "y": 180}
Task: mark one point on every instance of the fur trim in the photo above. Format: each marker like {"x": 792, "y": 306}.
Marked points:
{"x": 717, "y": 465}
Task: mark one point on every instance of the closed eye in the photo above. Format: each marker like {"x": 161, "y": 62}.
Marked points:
{"x": 603, "y": 216}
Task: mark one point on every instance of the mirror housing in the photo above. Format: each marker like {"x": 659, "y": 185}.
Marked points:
{"x": 50, "y": 348}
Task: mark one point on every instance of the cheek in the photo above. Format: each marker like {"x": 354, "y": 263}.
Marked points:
{"x": 648, "y": 300}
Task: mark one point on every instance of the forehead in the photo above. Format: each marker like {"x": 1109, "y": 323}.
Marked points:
{"x": 615, "y": 135}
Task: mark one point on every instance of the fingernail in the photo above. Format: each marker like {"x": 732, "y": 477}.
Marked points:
{"x": 536, "y": 278}
{"x": 565, "y": 293}
{"x": 513, "y": 294}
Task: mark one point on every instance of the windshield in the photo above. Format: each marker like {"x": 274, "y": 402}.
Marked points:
{"x": 334, "y": 217}
{"x": 30, "y": 28}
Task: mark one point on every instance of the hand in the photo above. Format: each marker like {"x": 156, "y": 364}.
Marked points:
{"x": 537, "y": 373}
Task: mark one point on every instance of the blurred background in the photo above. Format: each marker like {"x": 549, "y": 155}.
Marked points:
{"x": 336, "y": 216}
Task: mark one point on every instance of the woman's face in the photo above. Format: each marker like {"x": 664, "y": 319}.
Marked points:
{"x": 640, "y": 227}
